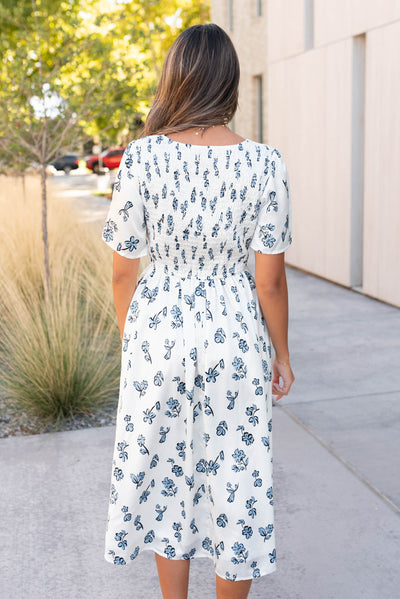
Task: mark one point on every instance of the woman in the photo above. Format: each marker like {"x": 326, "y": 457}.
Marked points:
{"x": 192, "y": 467}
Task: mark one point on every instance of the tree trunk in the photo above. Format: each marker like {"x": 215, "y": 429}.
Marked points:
{"x": 43, "y": 177}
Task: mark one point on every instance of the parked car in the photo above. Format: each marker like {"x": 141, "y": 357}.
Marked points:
{"x": 66, "y": 163}
{"x": 110, "y": 158}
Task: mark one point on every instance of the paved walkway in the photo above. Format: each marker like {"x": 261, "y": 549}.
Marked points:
{"x": 336, "y": 466}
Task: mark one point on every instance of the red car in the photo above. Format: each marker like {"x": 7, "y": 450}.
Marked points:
{"x": 110, "y": 159}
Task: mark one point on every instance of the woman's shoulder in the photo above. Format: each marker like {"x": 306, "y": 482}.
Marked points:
{"x": 264, "y": 147}
{"x": 159, "y": 141}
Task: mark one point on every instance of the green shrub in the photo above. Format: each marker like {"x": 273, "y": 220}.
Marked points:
{"x": 59, "y": 359}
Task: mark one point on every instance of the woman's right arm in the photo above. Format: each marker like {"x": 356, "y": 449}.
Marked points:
{"x": 271, "y": 286}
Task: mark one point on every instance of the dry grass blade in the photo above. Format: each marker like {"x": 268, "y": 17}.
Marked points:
{"x": 60, "y": 359}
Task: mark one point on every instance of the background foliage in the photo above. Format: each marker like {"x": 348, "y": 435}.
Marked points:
{"x": 81, "y": 67}
{"x": 69, "y": 70}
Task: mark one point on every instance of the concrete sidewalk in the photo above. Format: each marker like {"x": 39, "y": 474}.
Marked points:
{"x": 336, "y": 474}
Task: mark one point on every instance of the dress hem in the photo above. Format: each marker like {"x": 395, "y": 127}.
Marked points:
{"x": 272, "y": 569}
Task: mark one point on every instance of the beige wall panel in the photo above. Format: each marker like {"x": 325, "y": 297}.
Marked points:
{"x": 250, "y": 40}
{"x": 285, "y": 32}
{"x": 309, "y": 122}
{"x": 337, "y": 19}
{"x": 382, "y": 165}
{"x": 219, "y": 13}
{"x": 337, "y": 166}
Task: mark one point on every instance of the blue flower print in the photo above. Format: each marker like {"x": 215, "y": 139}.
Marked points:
{"x": 207, "y": 545}
{"x": 222, "y": 428}
{"x": 189, "y": 481}
{"x": 146, "y": 492}
{"x": 219, "y": 335}
{"x": 265, "y": 441}
{"x": 131, "y": 244}
{"x": 154, "y": 461}
{"x": 118, "y": 473}
{"x": 180, "y": 447}
{"x": 266, "y": 531}
{"x": 127, "y": 515}
{"x": 141, "y": 440}
{"x": 170, "y": 488}
{"x": 222, "y": 520}
{"x": 120, "y": 537}
{"x": 109, "y": 229}
{"x": 251, "y": 412}
{"x": 160, "y": 512}
{"x": 137, "y": 523}
{"x": 212, "y": 373}
{"x": 129, "y": 426}
{"x": 240, "y": 552}
{"x": 135, "y": 553}
{"x": 174, "y": 408}
{"x": 145, "y": 349}
{"x": 252, "y": 512}
{"x": 258, "y": 480}
{"x": 231, "y": 491}
{"x": 177, "y": 527}
{"x": 208, "y": 411}
{"x": 272, "y": 203}
{"x": 177, "y": 470}
{"x": 158, "y": 378}
{"x": 123, "y": 454}
{"x": 141, "y": 387}
{"x": 194, "y": 419}
{"x": 240, "y": 369}
{"x": 193, "y": 527}
{"x": 241, "y": 460}
{"x": 113, "y": 494}
{"x": 247, "y": 531}
{"x": 163, "y": 433}
{"x": 197, "y": 496}
{"x": 124, "y": 212}
{"x": 231, "y": 399}
{"x": 168, "y": 346}
{"x": 137, "y": 479}
{"x": 149, "y": 537}
{"x": 169, "y": 551}
{"x": 247, "y": 438}
{"x": 149, "y": 414}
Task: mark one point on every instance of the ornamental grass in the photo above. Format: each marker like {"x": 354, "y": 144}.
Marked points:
{"x": 59, "y": 358}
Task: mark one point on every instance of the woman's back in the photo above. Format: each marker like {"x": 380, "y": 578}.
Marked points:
{"x": 192, "y": 464}
{"x": 201, "y": 206}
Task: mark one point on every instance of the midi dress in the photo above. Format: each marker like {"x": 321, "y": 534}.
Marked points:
{"x": 192, "y": 472}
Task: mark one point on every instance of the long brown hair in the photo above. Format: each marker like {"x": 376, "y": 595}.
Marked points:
{"x": 199, "y": 82}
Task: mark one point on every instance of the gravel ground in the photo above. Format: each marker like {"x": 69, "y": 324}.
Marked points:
{"x": 13, "y": 423}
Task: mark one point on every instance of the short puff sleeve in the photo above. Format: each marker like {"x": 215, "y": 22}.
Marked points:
{"x": 125, "y": 227}
{"x": 273, "y": 232}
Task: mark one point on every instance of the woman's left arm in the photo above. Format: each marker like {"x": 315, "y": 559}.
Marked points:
{"x": 124, "y": 280}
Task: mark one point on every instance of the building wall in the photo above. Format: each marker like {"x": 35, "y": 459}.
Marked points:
{"x": 330, "y": 101}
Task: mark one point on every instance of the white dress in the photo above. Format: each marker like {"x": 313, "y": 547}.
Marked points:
{"x": 192, "y": 465}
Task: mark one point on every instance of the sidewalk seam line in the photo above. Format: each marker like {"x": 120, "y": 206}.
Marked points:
{"x": 343, "y": 397}
{"x": 352, "y": 469}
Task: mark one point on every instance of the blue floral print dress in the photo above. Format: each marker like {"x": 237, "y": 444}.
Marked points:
{"x": 192, "y": 464}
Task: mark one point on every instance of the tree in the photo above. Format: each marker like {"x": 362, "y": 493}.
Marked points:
{"x": 79, "y": 67}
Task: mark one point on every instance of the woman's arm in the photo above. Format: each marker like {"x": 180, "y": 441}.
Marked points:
{"x": 125, "y": 272}
{"x": 271, "y": 286}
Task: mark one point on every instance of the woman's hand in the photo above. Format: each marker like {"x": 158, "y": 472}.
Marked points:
{"x": 281, "y": 370}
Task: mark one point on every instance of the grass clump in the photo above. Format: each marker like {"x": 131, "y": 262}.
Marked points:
{"x": 57, "y": 359}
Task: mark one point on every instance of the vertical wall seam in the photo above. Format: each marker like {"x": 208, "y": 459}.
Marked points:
{"x": 357, "y": 160}
{"x": 308, "y": 24}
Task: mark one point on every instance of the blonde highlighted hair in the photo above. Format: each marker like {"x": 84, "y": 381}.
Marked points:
{"x": 199, "y": 82}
